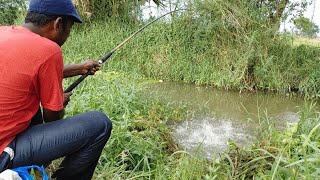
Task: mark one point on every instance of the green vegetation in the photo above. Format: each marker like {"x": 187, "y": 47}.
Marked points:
{"x": 229, "y": 44}
{"x": 126, "y": 10}
{"x": 307, "y": 41}
{"x": 10, "y": 10}
{"x": 141, "y": 146}
{"x": 141, "y": 143}
{"x": 229, "y": 47}
{"x": 305, "y": 27}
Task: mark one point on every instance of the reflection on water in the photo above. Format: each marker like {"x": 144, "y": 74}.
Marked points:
{"x": 222, "y": 115}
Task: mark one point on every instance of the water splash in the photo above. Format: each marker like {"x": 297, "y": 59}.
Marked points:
{"x": 218, "y": 116}
{"x": 209, "y": 135}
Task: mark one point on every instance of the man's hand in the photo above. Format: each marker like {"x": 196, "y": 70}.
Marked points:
{"x": 89, "y": 66}
{"x": 49, "y": 115}
{"x": 81, "y": 68}
{"x": 66, "y": 98}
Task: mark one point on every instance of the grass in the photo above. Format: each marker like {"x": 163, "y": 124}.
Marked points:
{"x": 141, "y": 146}
{"x": 228, "y": 47}
{"x": 283, "y": 155}
{"x": 140, "y": 140}
{"x": 220, "y": 49}
{"x": 306, "y": 41}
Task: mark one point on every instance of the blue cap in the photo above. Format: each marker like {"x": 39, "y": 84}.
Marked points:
{"x": 55, "y": 8}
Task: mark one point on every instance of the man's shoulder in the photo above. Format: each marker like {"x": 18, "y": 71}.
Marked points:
{"x": 19, "y": 41}
{"x": 47, "y": 45}
{"x": 16, "y": 33}
{"x": 41, "y": 43}
{"x": 25, "y": 39}
{"x": 45, "y": 49}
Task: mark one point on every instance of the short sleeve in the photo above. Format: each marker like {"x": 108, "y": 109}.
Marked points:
{"x": 50, "y": 78}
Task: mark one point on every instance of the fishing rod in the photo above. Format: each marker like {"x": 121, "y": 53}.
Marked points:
{"x": 109, "y": 54}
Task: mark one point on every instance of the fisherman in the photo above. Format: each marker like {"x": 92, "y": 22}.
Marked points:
{"x": 32, "y": 70}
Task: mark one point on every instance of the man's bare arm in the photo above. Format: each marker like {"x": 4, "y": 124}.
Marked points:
{"x": 81, "y": 68}
{"x": 71, "y": 70}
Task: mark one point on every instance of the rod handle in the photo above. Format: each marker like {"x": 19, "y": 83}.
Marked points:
{"x": 76, "y": 83}
{"x": 107, "y": 56}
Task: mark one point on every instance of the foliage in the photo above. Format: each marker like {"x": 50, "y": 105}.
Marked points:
{"x": 279, "y": 10}
{"x": 290, "y": 154}
{"x": 141, "y": 146}
{"x": 9, "y": 11}
{"x": 105, "y": 9}
{"x": 220, "y": 43}
{"x": 224, "y": 43}
{"x": 140, "y": 139}
{"x": 305, "y": 27}
{"x": 306, "y": 41}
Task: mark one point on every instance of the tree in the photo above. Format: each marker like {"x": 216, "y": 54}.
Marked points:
{"x": 304, "y": 27}
{"x": 102, "y": 9}
{"x": 279, "y": 10}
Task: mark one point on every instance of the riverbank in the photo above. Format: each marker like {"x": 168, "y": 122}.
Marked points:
{"x": 206, "y": 53}
{"x": 227, "y": 47}
{"x": 141, "y": 146}
{"x": 174, "y": 52}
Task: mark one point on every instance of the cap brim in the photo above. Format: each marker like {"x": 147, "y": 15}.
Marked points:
{"x": 77, "y": 18}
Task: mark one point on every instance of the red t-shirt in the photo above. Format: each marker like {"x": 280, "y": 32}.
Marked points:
{"x": 31, "y": 70}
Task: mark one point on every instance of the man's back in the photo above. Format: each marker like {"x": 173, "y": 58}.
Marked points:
{"x": 26, "y": 61}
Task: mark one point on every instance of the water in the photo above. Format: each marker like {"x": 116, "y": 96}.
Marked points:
{"x": 218, "y": 116}
{"x": 209, "y": 135}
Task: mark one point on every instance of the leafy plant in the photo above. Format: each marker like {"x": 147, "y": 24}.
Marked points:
{"x": 105, "y": 9}
{"x": 306, "y": 28}
{"x": 9, "y": 11}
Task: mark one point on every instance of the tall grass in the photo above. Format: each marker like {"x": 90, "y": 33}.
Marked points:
{"x": 10, "y": 11}
{"x": 292, "y": 154}
{"x": 141, "y": 146}
{"x": 220, "y": 43}
{"x": 227, "y": 47}
{"x": 226, "y": 44}
{"x": 302, "y": 40}
{"x": 124, "y": 10}
{"x": 140, "y": 141}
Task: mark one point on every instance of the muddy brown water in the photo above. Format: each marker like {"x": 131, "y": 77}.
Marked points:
{"x": 217, "y": 116}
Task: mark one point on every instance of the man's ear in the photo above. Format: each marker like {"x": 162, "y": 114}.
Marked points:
{"x": 57, "y": 24}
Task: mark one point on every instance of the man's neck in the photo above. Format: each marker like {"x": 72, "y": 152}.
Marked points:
{"x": 41, "y": 31}
{"x": 33, "y": 28}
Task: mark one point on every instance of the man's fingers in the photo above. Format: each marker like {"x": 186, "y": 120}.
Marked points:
{"x": 66, "y": 98}
{"x": 68, "y": 94}
{"x": 91, "y": 66}
{"x": 93, "y": 71}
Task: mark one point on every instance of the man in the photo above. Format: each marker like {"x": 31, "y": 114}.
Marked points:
{"x": 32, "y": 70}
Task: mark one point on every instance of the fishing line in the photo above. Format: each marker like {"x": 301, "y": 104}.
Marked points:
{"x": 109, "y": 54}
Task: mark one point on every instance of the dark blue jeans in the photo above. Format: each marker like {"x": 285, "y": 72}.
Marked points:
{"x": 79, "y": 138}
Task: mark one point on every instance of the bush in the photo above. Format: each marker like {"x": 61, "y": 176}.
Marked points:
{"x": 9, "y": 10}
